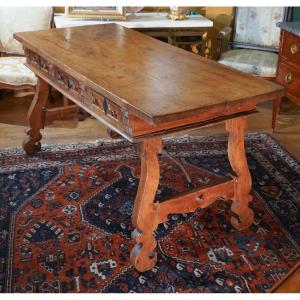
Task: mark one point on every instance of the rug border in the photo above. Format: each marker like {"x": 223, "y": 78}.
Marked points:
{"x": 173, "y": 138}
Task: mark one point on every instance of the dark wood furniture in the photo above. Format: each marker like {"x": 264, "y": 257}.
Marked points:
{"x": 288, "y": 69}
{"x": 144, "y": 89}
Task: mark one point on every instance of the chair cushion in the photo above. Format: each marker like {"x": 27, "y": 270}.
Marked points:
{"x": 261, "y": 63}
{"x": 14, "y": 72}
{"x": 16, "y": 19}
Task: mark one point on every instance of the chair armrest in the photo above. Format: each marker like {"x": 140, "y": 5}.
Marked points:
{"x": 222, "y": 41}
{"x": 225, "y": 32}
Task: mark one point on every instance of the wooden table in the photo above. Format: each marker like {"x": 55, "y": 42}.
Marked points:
{"x": 144, "y": 89}
{"x": 192, "y": 31}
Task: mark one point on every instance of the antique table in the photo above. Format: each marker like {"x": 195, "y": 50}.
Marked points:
{"x": 144, "y": 89}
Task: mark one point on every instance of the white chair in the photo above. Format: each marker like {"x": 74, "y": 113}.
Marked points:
{"x": 13, "y": 73}
{"x": 255, "y": 42}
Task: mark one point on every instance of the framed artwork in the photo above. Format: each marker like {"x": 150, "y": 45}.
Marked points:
{"x": 96, "y": 12}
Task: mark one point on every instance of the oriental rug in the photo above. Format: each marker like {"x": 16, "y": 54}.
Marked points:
{"x": 65, "y": 220}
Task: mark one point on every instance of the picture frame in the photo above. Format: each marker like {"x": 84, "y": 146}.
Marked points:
{"x": 96, "y": 12}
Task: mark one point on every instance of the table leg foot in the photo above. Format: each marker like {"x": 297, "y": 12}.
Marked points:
{"x": 31, "y": 145}
{"x": 244, "y": 219}
{"x": 144, "y": 217}
{"x": 242, "y": 186}
{"x": 36, "y": 118}
{"x": 143, "y": 255}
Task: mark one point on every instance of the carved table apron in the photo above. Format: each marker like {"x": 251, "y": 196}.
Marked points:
{"x": 147, "y": 128}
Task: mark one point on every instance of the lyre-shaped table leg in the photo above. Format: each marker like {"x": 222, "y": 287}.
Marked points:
{"x": 36, "y": 118}
{"x": 243, "y": 182}
{"x": 144, "y": 218}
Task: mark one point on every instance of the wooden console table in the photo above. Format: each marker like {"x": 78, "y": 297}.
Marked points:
{"x": 144, "y": 89}
{"x": 192, "y": 31}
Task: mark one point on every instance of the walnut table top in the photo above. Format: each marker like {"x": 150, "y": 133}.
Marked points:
{"x": 153, "y": 81}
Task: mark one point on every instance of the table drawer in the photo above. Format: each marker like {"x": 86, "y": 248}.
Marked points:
{"x": 109, "y": 108}
{"x": 289, "y": 77}
{"x": 290, "y": 47}
{"x": 97, "y": 104}
{"x": 65, "y": 81}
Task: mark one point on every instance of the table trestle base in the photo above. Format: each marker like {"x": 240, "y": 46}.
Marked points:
{"x": 148, "y": 213}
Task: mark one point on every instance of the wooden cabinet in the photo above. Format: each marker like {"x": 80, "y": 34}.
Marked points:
{"x": 290, "y": 47}
{"x": 288, "y": 67}
{"x": 288, "y": 75}
{"x": 288, "y": 70}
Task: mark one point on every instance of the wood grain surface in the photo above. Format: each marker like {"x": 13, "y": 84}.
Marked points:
{"x": 154, "y": 80}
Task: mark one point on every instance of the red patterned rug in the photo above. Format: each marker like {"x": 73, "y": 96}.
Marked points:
{"x": 65, "y": 220}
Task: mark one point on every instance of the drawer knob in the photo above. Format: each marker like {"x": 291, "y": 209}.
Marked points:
{"x": 289, "y": 77}
{"x": 294, "y": 49}
{"x": 69, "y": 83}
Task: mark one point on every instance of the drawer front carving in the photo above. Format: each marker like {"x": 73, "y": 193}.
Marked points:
{"x": 94, "y": 101}
{"x": 289, "y": 77}
{"x": 64, "y": 80}
{"x": 97, "y": 100}
{"x": 290, "y": 48}
{"x": 109, "y": 108}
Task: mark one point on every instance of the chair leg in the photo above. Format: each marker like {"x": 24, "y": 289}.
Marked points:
{"x": 276, "y": 108}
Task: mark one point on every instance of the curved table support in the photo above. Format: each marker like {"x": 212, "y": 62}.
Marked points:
{"x": 145, "y": 217}
{"x": 36, "y": 118}
{"x": 148, "y": 213}
{"x": 243, "y": 182}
